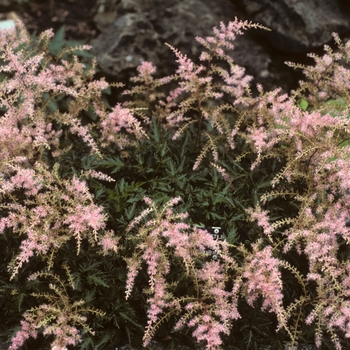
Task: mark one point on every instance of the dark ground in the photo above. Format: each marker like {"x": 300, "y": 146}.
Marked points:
{"x": 76, "y": 15}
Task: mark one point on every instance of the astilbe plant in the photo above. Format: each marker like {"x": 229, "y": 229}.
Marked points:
{"x": 45, "y": 210}
{"x": 309, "y": 151}
{"x": 30, "y": 190}
{"x": 59, "y": 317}
{"x": 210, "y": 303}
{"x": 160, "y": 242}
{"x": 284, "y": 167}
{"x": 315, "y": 174}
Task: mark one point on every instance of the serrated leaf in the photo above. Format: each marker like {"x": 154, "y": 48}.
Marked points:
{"x": 96, "y": 280}
{"x": 232, "y": 236}
{"x": 21, "y": 297}
{"x": 129, "y": 319}
{"x": 90, "y": 295}
{"x": 99, "y": 193}
{"x": 264, "y": 184}
{"x": 303, "y": 104}
{"x": 111, "y": 162}
{"x": 57, "y": 43}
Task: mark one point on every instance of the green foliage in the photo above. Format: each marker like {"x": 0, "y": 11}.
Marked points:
{"x": 229, "y": 158}
{"x": 303, "y": 104}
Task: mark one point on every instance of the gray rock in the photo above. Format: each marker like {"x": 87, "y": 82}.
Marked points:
{"x": 141, "y": 28}
{"x": 135, "y": 30}
{"x": 128, "y": 41}
{"x": 298, "y": 25}
{"x": 9, "y": 3}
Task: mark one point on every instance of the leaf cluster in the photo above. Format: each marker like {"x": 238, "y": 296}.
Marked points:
{"x": 271, "y": 170}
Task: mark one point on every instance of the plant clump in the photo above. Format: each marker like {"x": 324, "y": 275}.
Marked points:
{"x": 200, "y": 148}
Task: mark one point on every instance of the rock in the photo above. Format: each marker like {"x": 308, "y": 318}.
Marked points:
{"x": 141, "y": 28}
{"x": 105, "y": 13}
{"x": 9, "y": 3}
{"x": 134, "y": 31}
{"x": 127, "y": 42}
{"x": 298, "y": 25}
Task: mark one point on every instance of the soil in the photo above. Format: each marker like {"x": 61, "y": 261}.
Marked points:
{"x": 76, "y": 15}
